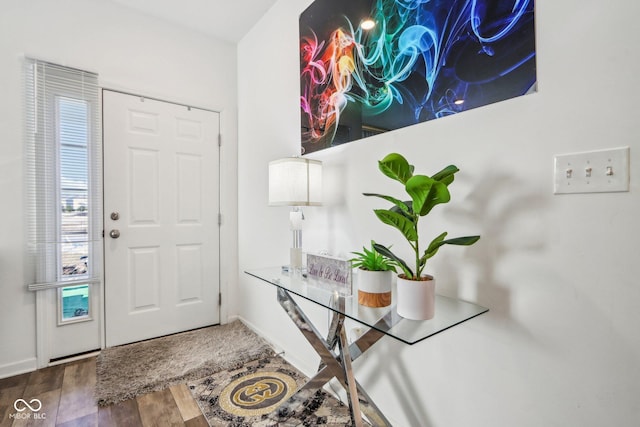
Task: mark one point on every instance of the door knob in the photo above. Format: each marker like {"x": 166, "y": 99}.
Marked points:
{"x": 114, "y": 234}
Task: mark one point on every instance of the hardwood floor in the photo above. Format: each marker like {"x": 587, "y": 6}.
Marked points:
{"x": 66, "y": 394}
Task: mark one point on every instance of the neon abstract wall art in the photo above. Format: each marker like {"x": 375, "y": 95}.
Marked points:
{"x": 419, "y": 60}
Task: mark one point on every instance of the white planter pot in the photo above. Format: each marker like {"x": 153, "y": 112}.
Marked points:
{"x": 416, "y": 298}
{"x": 374, "y": 288}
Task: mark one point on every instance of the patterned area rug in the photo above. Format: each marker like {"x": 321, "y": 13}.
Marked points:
{"x": 253, "y": 395}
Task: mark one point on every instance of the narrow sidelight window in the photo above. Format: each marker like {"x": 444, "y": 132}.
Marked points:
{"x": 63, "y": 152}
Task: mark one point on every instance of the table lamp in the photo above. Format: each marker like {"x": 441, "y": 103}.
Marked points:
{"x": 295, "y": 182}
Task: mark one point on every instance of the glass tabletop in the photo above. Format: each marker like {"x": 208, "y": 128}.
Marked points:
{"x": 449, "y": 312}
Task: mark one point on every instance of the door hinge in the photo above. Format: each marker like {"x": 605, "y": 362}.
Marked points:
{"x": 219, "y": 219}
{"x": 219, "y": 298}
{"x": 219, "y": 140}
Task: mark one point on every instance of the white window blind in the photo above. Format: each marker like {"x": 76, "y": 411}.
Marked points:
{"x": 63, "y": 165}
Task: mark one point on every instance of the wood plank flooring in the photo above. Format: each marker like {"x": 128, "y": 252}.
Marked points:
{"x": 66, "y": 393}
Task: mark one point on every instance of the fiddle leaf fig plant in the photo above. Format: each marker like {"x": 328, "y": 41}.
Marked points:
{"x": 372, "y": 260}
{"x": 425, "y": 192}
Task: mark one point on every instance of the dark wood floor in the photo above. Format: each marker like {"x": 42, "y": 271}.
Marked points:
{"x": 66, "y": 393}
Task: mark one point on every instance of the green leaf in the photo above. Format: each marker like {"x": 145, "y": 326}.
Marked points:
{"x": 433, "y": 248}
{"x": 395, "y": 166}
{"x": 399, "y": 203}
{"x": 446, "y": 175}
{"x": 419, "y": 187}
{"x": 434, "y": 245}
{"x": 439, "y": 241}
{"x": 426, "y": 193}
{"x": 462, "y": 241}
{"x": 405, "y": 225}
{"x": 372, "y": 260}
{"x": 406, "y": 210}
{"x": 439, "y": 193}
{"x": 387, "y": 252}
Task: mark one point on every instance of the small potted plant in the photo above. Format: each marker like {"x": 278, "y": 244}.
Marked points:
{"x": 416, "y": 291}
{"x": 374, "y": 277}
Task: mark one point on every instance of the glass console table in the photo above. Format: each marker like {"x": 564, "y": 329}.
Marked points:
{"x": 335, "y": 352}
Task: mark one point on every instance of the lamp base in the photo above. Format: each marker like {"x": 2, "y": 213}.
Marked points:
{"x": 295, "y": 259}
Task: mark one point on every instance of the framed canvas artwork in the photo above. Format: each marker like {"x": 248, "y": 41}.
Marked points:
{"x": 372, "y": 66}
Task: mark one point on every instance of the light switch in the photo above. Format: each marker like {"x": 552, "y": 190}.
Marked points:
{"x": 592, "y": 172}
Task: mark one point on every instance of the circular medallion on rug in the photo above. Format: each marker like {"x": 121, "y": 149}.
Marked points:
{"x": 262, "y": 393}
{"x": 257, "y": 394}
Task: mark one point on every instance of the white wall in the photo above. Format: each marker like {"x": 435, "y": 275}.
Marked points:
{"x": 130, "y": 52}
{"x": 560, "y": 346}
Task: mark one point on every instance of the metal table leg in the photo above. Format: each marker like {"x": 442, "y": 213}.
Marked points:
{"x": 333, "y": 364}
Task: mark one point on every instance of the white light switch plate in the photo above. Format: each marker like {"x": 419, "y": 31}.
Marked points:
{"x": 592, "y": 172}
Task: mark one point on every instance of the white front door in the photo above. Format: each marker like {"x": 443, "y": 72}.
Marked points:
{"x": 161, "y": 205}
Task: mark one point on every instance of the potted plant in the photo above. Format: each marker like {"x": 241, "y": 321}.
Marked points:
{"x": 374, "y": 277}
{"x": 416, "y": 291}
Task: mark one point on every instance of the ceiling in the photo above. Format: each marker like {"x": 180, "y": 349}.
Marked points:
{"x": 228, "y": 20}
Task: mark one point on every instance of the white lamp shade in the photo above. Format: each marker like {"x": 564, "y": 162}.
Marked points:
{"x": 295, "y": 181}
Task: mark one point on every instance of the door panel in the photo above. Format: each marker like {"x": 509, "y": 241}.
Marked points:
{"x": 161, "y": 177}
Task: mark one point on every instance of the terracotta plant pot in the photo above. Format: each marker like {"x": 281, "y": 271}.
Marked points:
{"x": 416, "y": 298}
{"x": 374, "y": 288}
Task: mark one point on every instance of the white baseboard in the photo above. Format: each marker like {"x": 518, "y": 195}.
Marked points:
{"x": 231, "y": 319}
{"x": 298, "y": 363}
{"x": 17, "y": 368}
